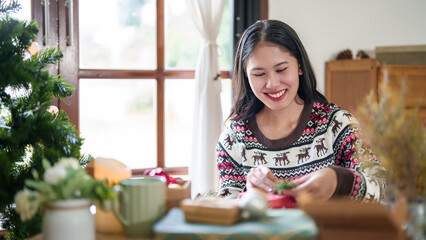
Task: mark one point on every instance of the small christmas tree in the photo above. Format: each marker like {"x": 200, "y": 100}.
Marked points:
{"x": 29, "y": 133}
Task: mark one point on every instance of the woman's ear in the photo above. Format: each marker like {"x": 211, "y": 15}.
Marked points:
{"x": 300, "y": 70}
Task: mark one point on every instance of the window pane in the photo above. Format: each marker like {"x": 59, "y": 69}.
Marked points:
{"x": 118, "y": 120}
{"x": 179, "y": 118}
{"x": 182, "y": 37}
{"x": 183, "y": 41}
{"x": 179, "y": 114}
{"x": 224, "y": 39}
{"x": 226, "y": 98}
{"x": 25, "y": 12}
{"x": 117, "y": 34}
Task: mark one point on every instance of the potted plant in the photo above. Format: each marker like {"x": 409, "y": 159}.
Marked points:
{"x": 64, "y": 195}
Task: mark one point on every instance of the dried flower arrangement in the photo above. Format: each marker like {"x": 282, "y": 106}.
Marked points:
{"x": 397, "y": 136}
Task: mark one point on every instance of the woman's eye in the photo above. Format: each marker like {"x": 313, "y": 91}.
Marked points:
{"x": 258, "y": 74}
{"x": 281, "y": 70}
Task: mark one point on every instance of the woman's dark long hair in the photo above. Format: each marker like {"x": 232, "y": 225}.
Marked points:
{"x": 245, "y": 103}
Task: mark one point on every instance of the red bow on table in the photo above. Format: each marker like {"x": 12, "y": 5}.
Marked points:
{"x": 160, "y": 172}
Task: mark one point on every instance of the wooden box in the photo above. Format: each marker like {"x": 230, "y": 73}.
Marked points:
{"x": 401, "y": 55}
{"x": 211, "y": 210}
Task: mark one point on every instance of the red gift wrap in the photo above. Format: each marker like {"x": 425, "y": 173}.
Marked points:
{"x": 281, "y": 201}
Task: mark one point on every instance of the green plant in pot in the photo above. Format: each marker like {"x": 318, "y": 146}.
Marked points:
{"x": 64, "y": 194}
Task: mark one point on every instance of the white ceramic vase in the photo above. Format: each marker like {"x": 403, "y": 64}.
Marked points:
{"x": 69, "y": 220}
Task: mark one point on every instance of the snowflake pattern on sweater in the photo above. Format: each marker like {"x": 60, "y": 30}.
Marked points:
{"x": 326, "y": 136}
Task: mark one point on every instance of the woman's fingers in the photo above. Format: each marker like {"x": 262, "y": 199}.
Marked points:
{"x": 261, "y": 177}
{"x": 271, "y": 179}
{"x": 320, "y": 185}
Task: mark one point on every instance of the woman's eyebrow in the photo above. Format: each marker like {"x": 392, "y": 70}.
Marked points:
{"x": 256, "y": 68}
{"x": 276, "y": 65}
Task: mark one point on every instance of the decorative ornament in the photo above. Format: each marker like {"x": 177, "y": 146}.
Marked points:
{"x": 361, "y": 55}
{"x": 253, "y": 203}
{"x": 345, "y": 54}
{"x": 33, "y": 49}
{"x": 53, "y": 110}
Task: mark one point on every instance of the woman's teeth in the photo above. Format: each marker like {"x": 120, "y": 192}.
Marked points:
{"x": 277, "y": 95}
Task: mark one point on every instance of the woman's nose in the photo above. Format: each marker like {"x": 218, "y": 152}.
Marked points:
{"x": 272, "y": 81}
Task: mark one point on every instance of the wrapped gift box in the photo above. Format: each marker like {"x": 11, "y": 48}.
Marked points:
{"x": 211, "y": 210}
{"x": 281, "y": 201}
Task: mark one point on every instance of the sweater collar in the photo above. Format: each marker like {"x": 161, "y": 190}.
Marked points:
{"x": 286, "y": 141}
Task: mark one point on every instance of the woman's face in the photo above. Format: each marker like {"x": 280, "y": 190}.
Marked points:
{"x": 273, "y": 75}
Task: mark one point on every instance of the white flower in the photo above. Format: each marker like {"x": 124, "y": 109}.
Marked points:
{"x": 68, "y": 163}
{"x": 55, "y": 174}
{"x": 27, "y": 204}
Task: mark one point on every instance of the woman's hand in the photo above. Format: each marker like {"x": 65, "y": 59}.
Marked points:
{"x": 320, "y": 185}
{"x": 261, "y": 177}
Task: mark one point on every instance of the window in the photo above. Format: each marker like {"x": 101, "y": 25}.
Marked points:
{"x": 136, "y": 70}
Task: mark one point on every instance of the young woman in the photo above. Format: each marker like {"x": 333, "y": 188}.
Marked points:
{"x": 283, "y": 128}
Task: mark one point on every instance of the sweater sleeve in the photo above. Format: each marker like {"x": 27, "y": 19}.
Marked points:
{"x": 231, "y": 179}
{"x": 345, "y": 180}
{"x": 355, "y": 157}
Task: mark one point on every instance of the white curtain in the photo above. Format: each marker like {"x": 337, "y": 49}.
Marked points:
{"x": 208, "y": 121}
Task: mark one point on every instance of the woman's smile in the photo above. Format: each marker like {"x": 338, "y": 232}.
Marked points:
{"x": 277, "y": 96}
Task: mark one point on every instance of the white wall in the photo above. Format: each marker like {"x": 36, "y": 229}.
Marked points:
{"x": 327, "y": 27}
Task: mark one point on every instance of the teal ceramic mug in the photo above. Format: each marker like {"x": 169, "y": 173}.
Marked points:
{"x": 141, "y": 205}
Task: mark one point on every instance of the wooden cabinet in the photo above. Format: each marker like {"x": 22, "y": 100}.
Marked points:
{"x": 349, "y": 81}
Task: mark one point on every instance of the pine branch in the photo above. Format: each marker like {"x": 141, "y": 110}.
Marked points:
{"x": 11, "y": 7}
{"x": 62, "y": 89}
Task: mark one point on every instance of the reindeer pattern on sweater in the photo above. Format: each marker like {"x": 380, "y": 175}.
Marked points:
{"x": 326, "y": 136}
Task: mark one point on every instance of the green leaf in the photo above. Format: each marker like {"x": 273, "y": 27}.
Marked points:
{"x": 46, "y": 164}
{"x": 281, "y": 185}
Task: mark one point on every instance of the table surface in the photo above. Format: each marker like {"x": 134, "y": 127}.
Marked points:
{"x": 277, "y": 224}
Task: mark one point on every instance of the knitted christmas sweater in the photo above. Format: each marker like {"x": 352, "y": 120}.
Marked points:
{"x": 326, "y": 136}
